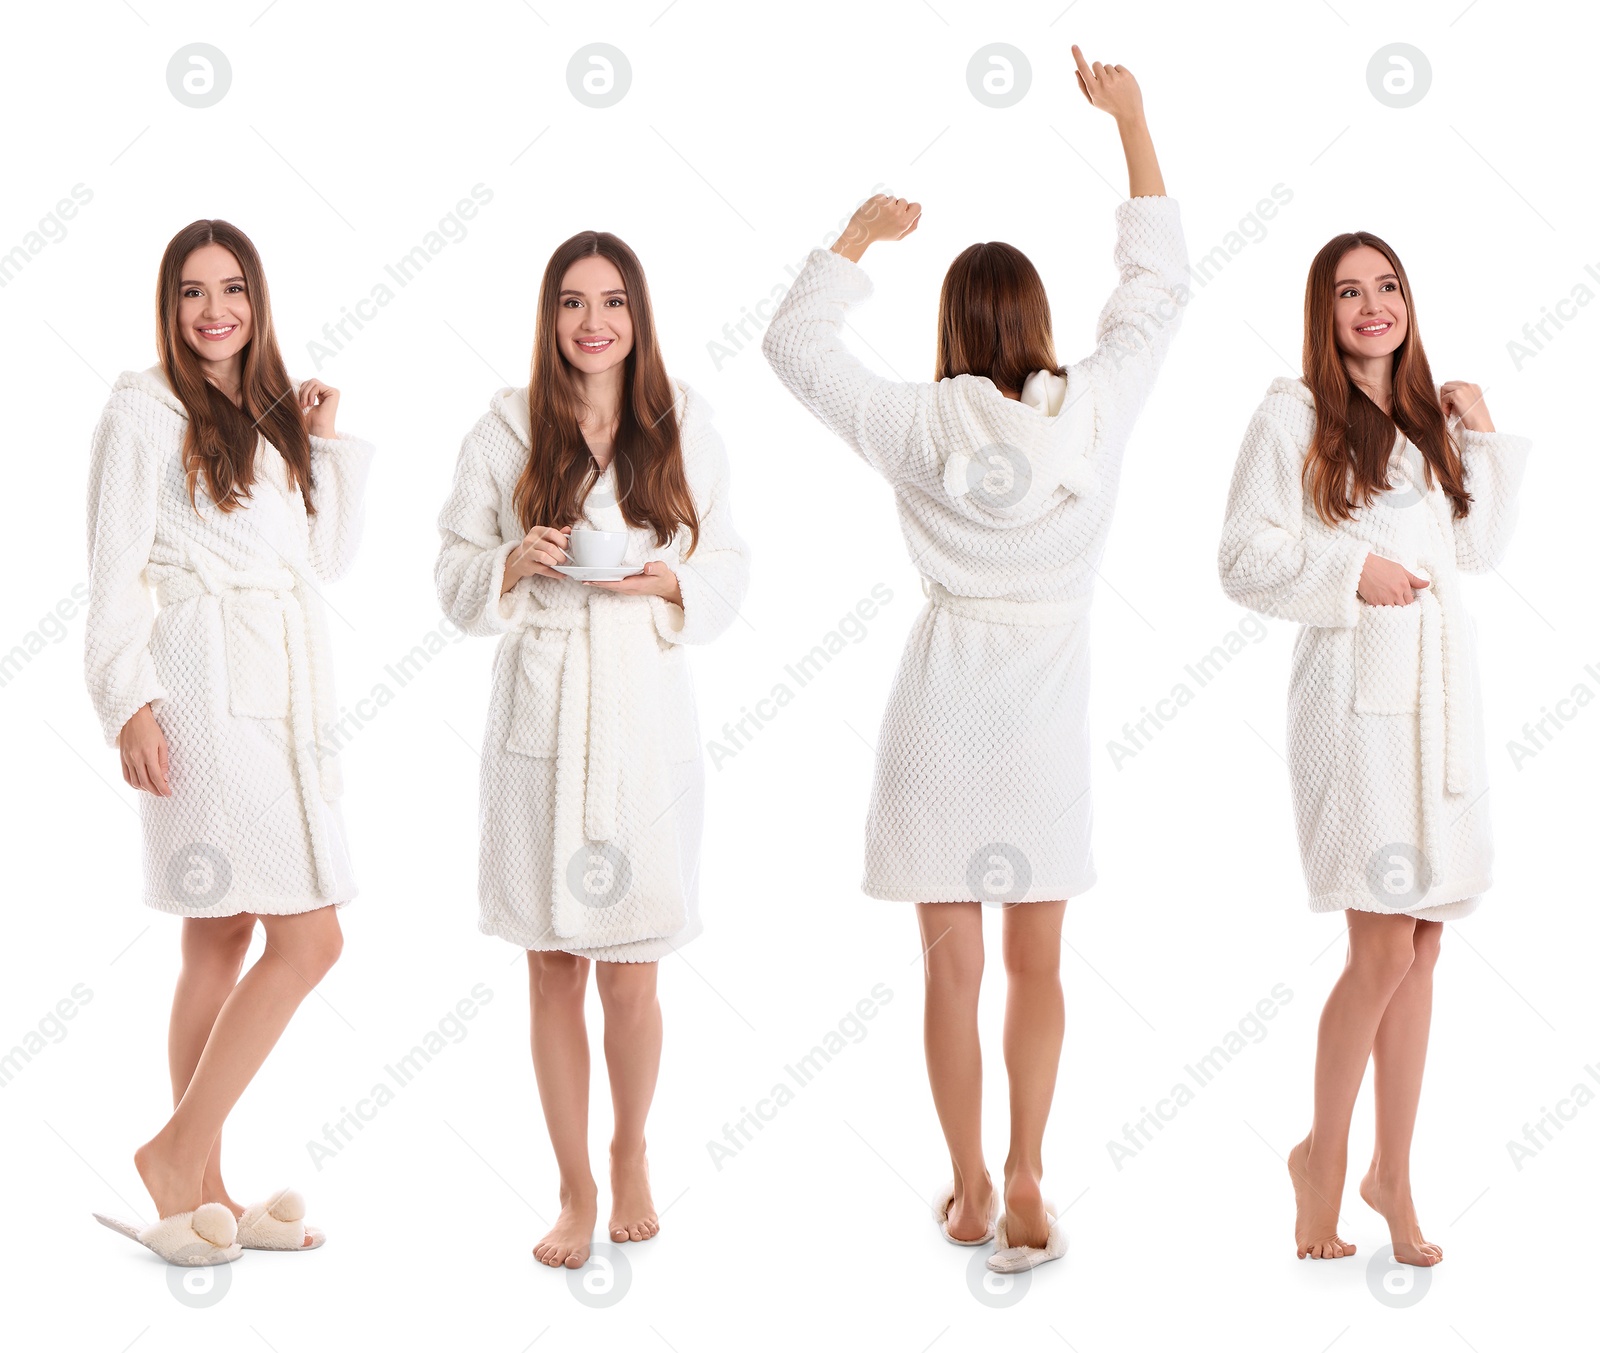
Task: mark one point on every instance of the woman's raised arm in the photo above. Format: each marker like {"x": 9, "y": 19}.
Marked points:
{"x": 1112, "y": 89}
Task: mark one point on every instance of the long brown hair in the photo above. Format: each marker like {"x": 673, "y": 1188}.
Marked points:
{"x": 994, "y": 318}
{"x": 652, "y": 488}
{"x": 1348, "y": 462}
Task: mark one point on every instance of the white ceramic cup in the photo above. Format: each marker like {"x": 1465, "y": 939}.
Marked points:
{"x": 596, "y": 549}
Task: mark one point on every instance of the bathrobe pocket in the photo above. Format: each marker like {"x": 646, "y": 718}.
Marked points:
{"x": 258, "y": 656}
{"x": 536, "y": 693}
{"x": 681, "y": 734}
{"x": 1388, "y": 654}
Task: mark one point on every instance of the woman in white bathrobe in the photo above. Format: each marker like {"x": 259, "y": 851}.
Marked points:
{"x": 222, "y": 485}
{"x": 1005, "y": 475}
{"x": 591, "y": 783}
{"x": 1361, "y": 495}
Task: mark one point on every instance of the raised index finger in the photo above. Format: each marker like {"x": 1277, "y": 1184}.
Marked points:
{"x": 1083, "y": 66}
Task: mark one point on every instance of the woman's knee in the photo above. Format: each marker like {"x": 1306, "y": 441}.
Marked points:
{"x": 954, "y": 960}
{"x": 218, "y": 944}
{"x": 952, "y": 949}
{"x": 1383, "y": 953}
{"x": 557, "y": 976}
{"x": 310, "y": 942}
{"x": 1031, "y": 945}
{"x": 627, "y": 990}
{"x": 1425, "y": 942}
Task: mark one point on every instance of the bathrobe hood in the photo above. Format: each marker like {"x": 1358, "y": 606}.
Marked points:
{"x": 1014, "y": 459}
{"x": 152, "y": 382}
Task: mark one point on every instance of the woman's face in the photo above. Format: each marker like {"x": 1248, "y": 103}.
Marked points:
{"x": 213, "y": 309}
{"x": 1369, "y": 313}
{"x": 594, "y": 328}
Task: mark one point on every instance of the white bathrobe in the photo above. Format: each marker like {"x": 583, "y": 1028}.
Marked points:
{"x": 235, "y": 664}
{"x": 591, "y": 785}
{"x": 981, "y": 788}
{"x": 1385, "y": 729}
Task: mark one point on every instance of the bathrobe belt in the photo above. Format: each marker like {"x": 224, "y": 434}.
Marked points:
{"x": 254, "y": 651}
{"x": 1442, "y": 703}
{"x": 611, "y": 709}
{"x": 1005, "y": 610}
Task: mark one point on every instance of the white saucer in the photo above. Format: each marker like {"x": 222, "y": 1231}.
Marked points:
{"x": 578, "y": 573}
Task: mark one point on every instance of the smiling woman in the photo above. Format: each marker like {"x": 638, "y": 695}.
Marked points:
{"x": 1360, "y": 495}
{"x": 223, "y": 484}
{"x": 591, "y": 786}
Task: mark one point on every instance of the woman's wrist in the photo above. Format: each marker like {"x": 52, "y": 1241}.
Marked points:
{"x": 850, "y": 249}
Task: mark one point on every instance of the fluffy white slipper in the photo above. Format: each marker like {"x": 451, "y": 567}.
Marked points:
{"x": 197, "y": 1239}
{"x": 1009, "y": 1258}
{"x": 941, "y": 1213}
{"x": 278, "y": 1224}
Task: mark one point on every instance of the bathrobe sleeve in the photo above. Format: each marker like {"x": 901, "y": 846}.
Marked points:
{"x": 473, "y": 550}
{"x": 882, "y": 421}
{"x": 715, "y": 577}
{"x": 118, "y": 667}
{"x": 1494, "y": 463}
{"x": 1138, "y": 323}
{"x": 339, "y": 467}
{"x": 1276, "y": 556}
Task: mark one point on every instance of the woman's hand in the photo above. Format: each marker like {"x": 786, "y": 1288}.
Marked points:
{"x": 1465, "y": 401}
{"x": 657, "y": 580}
{"x": 878, "y": 218}
{"x": 541, "y": 548}
{"x": 144, "y": 753}
{"x": 318, "y": 405}
{"x": 1113, "y": 89}
{"x": 1386, "y": 583}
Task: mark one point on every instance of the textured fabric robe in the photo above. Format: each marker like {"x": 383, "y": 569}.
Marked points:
{"x": 1385, "y": 727}
{"x": 981, "y": 785}
{"x": 235, "y": 663}
{"x": 591, "y": 786}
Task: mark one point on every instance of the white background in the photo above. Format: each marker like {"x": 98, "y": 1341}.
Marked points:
{"x": 747, "y": 135}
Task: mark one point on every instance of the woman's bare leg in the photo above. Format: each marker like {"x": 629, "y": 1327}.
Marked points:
{"x": 1379, "y": 957}
{"x": 556, "y": 985}
{"x": 214, "y": 950}
{"x": 300, "y": 951}
{"x": 952, "y": 968}
{"x": 633, "y": 1059}
{"x": 1398, "y": 1054}
{"x": 1035, "y": 1023}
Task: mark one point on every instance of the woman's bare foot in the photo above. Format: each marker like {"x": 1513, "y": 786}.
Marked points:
{"x": 633, "y": 1212}
{"x": 1026, "y": 1223}
{"x": 968, "y": 1215}
{"x": 1393, "y": 1203}
{"x": 1316, "y": 1206}
{"x": 567, "y": 1242}
{"x": 172, "y": 1188}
